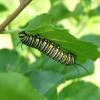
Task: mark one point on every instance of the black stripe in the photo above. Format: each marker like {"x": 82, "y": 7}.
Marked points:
{"x": 29, "y": 40}
{"x": 25, "y": 40}
{"x": 68, "y": 59}
{"x": 37, "y": 41}
{"x": 32, "y": 41}
{"x": 55, "y": 56}
{"x": 43, "y": 47}
{"x": 44, "y": 50}
{"x": 62, "y": 54}
{"x": 50, "y": 54}
{"x": 50, "y": 50}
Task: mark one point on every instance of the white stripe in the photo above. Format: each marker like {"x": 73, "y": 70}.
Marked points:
{"x": 67, "y": 59}
{"x": 51, "y": 46}
{"x": 36, "y": 42}
{"x": 61, "y": 56}
{"x": 54, "y": 56}
{"x": 44, "y": 44}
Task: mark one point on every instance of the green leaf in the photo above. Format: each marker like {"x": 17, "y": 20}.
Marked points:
{"x": 10, "y": 60}
{"x": 44, "y": 77}
{"x": 53, "y": 2}
{"x": 95, "y": 39}
{"x": 14, "y": 86}
{"x": 59, "y": 12}
{"x": 94, "y": 12}
{"x": 68, "y": 43}
{"x": 84, "y": 51}
{"x": 2, "y": 7}
{"x": 82, "y": 9}
{"x": 52, "y": 94}
{"x": 78, "y": 10}
{"x": 44, "y": 81}
{"x": 66, "y": 71}
{"x": 86, "y": 3}
{"x": 81, "y": 70}
{"x": 43, "y": 20}
{"x": 80, "y": 91}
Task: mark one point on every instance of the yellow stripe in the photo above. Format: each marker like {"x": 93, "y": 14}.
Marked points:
{"x": 59, "y": 55}
{"x": 32, "y": 43}
{"x": 64, "y": 58}
{"x": 56, "y": 53}
{"x": 36, "y": 42}
{"x": 68, "y": 59}
{"x": 49, "y": 48}
{"x": 52, "y": 54}
{"x": 43, "y": 44}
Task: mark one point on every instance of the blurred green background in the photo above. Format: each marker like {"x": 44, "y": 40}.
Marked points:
{"x": 30, "y": 75}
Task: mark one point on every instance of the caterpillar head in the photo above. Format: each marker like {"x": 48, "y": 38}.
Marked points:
{"x": 22, "y": 34}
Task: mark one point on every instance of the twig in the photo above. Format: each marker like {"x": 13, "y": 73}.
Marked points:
{"x": 23, "y": 4}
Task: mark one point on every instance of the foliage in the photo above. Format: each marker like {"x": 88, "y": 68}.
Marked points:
{"x": 38, "y": 80}
{"x": 17, "y": 88}
{"x": 63, "y": 38}
{"x": 2, "y": 8}
{"x": 88, "y": 91}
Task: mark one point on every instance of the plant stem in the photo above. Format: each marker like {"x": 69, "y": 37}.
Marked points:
{"x": 14, "y": 14}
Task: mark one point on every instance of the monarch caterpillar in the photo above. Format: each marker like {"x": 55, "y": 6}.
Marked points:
{"x": 49, "y": 48}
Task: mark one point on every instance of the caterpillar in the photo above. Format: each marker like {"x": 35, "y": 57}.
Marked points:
{"x": 49, "y": 48}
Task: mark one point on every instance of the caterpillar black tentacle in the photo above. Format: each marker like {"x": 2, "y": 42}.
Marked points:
{"x": 49, "y": 48}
